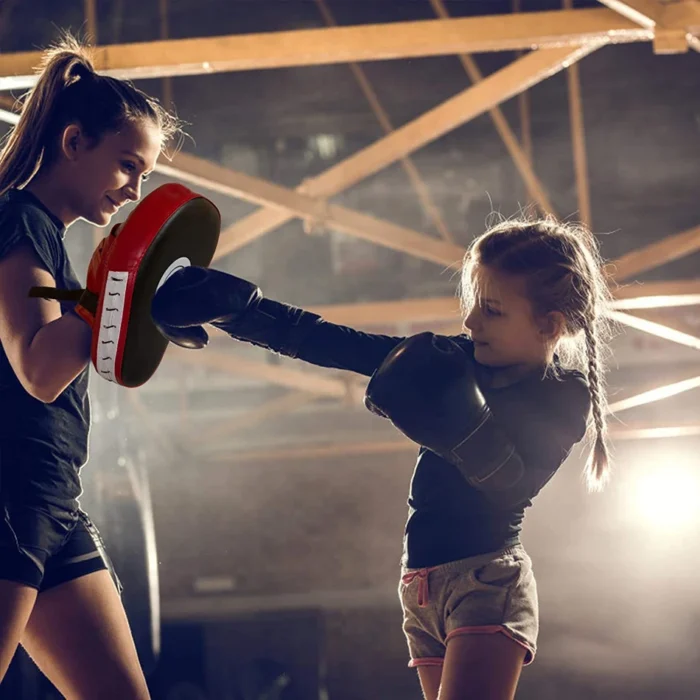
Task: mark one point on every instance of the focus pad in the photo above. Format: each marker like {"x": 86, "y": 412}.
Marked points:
{"x": 171, "y": 228}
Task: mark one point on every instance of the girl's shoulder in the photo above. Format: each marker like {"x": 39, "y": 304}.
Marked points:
{"x": 464, "y": 342}
{"x": 563, "y": 393}
{"x": 569, "y": 376}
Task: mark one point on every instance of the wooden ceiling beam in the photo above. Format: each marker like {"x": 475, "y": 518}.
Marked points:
{"x": 660, "y": 329}
{"x": 472, "y": 102}
{"x": 655, "y": 254}
{"x": 659, "y": 393}
{"x": 673, "y": 23}
{"x": 292, "y": 203}
{"x": 369, "y": 42}
{"x": 519, "y": 154}
{"x": 645, "y": 13}
{"x": 657, "y": 295}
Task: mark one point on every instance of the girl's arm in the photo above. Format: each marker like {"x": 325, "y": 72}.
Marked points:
{"x": 195, "y": 296}
{"x": 301, "y": 334}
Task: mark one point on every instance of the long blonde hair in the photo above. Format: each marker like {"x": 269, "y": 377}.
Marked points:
{"x": 563, "y": 270}
{"x": 68, "y": 91}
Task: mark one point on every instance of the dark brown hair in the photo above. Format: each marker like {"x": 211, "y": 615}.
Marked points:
{"x": 69, "y": 91}
{"x": 563, "y": 271}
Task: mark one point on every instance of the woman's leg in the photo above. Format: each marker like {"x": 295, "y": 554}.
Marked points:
{"x": 16, "y": 603}
{"x": 481, "y": 667}
{"x": 429, "y": 677}
{"x": 79, "y": 636}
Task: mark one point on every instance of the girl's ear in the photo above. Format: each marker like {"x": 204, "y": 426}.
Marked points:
{"x": 552, "y": 326}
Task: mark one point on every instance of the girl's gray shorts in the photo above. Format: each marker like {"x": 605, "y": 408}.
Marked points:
{"x": 486, "y": 594}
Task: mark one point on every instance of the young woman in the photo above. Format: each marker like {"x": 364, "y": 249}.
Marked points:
{"x": 496, "y": 412}
{"x": 81, "y": 149}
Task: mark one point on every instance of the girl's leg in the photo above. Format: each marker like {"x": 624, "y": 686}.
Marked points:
{"x": 16, "y": 603}
{"x": 481, "y": 667}
{"x": 430, "y": 681}
{"x": 79, "y": 636}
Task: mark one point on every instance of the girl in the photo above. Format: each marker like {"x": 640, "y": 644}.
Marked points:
{"x": 534, "y": 296}
{"x": 83, "y": 145}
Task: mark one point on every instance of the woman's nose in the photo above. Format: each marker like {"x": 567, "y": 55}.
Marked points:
{"x": 133, "y": 192}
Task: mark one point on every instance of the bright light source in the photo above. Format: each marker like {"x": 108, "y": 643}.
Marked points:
{"x": 326, "y": 145}
{"x": 667, "y": 496}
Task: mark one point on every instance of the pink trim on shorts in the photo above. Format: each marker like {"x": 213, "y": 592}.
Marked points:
{"x": 423, "y": 588}
{"x": 493, "y": 629}
{"x": 427, "y": 661}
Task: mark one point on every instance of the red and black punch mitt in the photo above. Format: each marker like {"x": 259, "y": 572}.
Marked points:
{"x": 171, "y": 228}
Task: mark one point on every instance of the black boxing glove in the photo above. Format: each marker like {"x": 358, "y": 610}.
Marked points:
{"x": 195, "y": 295}
{"x": 427, "y": 388}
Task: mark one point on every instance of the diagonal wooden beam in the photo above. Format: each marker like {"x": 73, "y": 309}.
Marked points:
{"x": 662, "y": 316}
{"x": 426, "y": 201}
{"x": 645, "y": 13}
{"x": 164, "y": 32}
{"x": 91, "y": 19}
{"x": 657, "y": 295}
{"x": 8, "y": 110}
{"x": 657, "y": 394}
{"x": 496, "y": 88}
{"x": 655, "y": 328}
{"x": 469, "y": 104}
{"x": 524, "y": 108}
{"x": 578, "y": 138}
{"x": 522, "y": 161}
{"x": 204, "y": 173}
{"x": 292, "y": 203}
{"x": 8, "y": 117}
{"x": 647, "y": 258}
{"x": 369, "y": 42}
{"x": 643, "y": 431}
{"x": 655, "y": 254}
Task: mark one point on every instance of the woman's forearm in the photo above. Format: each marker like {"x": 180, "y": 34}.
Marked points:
{"x": 58, "y": 353}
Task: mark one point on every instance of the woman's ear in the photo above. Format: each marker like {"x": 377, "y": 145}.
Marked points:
{"x": 71, "y": 141}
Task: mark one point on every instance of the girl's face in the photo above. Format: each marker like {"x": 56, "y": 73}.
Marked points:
{"x": 104, "y": 176}
{"x": 503, "y": 326}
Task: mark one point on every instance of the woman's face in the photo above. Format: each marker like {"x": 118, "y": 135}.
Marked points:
{"x": 105, "y": 176}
